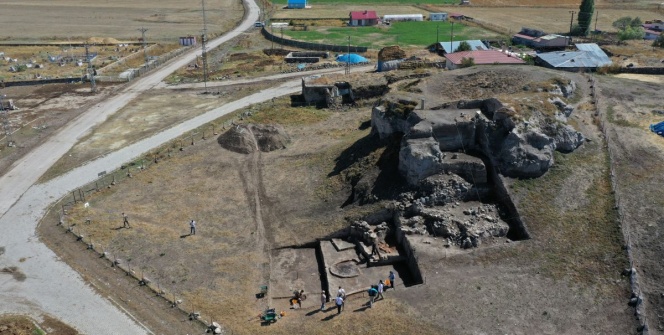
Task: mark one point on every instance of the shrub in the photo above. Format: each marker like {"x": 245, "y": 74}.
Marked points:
{"x": 467, "y": 62}
{"x": 659, "y": 42}
{"x": 630, "y": 33}
{"x": 463, "y": 46}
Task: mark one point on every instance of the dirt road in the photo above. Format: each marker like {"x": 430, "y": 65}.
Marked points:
{"x": 39, "y": 283}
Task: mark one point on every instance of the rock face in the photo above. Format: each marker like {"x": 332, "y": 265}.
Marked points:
{"x": 518, "y": 148}
{"x": 249, "y": 138}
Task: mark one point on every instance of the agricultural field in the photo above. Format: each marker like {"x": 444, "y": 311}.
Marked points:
{"x": 79, "y": 19}
{"x": 552, "y": 20}
{"x": 329, "y": 11}
{"x": 408, "y": 34}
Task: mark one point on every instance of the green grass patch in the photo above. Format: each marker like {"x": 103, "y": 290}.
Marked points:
{"x": 374, "y": 2}
{"x": 399, "y": 33}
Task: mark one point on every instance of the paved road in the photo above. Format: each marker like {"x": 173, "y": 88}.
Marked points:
{"x": 264, "y": 78}
{"x": 50, "y": 285}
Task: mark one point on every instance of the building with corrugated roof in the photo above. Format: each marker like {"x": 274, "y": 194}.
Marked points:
{"x": 450, "y": 47}
{"x": 480, "y": 57}
{"x": 297, "y": 4}
{"x": 588, "y": 57}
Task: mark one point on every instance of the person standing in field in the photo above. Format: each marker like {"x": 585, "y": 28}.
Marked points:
{"x": 391, "y": 277}
{"x": 192, "y": 227}
{"x": 381, "y": 288}
{"x": 339, "y": 301}
{"x": 125, "y": 221}
{"x": 372, "y": 295}
{"x": 323, "y": 300}
{"x": 342, "y": 293}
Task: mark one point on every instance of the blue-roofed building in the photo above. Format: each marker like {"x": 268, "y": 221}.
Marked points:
{"x": 297, "y": 4}
{"x": 588, "y": 56}
{"x": 450, "y": 47}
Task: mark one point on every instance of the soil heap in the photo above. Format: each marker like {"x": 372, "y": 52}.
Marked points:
{"x": 248, "y": 138}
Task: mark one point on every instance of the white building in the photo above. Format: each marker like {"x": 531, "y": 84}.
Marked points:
{"x": 403, "y": 17}
{"x": 438, "y": 16}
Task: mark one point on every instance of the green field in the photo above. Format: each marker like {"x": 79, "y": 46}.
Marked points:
{"x": 373, "y": 2}
{"x": 417, "y": 34}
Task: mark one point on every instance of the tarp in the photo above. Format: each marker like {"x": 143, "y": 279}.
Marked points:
{"x": 658, "y": 128}
{"x": 354, "y": 59}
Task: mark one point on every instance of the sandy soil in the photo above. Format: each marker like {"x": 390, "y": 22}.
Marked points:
{"x": 43, "y": 110}
{"x": 19, "y": 325}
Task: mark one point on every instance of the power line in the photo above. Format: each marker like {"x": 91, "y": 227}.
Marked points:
{"x": 204, "y": 51}
{"x": 145, "y": 55}
{"x": 90, "y": 70}
{"x": 4, "y": 113}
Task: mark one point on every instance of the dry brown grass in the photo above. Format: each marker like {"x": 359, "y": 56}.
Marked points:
{"x": 550, "y": 19}
{"x": 166, "y": 19}
{"x": 141, "y": 118}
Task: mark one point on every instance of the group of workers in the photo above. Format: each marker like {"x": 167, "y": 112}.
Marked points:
{"x": 374, "y": 292}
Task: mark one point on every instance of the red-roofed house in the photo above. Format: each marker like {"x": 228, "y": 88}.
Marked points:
{"x": 480, "y": 57}
{"x": 364, "y": 18}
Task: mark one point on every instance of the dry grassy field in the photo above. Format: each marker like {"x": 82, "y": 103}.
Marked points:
{"x": 552, "y": 20}
{"x": 505, "y": 288}
{"x": 46, "y": 20}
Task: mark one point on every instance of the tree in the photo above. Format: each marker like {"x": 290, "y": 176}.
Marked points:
{"x": 626, "y": 21}
{"x": 467, "y": 62}
{"x": 659, "y": 42}
{"x": 585, "y": 17}
{"x": 463, "y": 46}
{"x": 622, "y": 22}
{"x": 630, "y": 33}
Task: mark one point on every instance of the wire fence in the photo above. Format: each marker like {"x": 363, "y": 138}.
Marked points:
{"x": 145, "y": 68}
{"x": 637, "y": 299}
{"x": 107, "y": 180}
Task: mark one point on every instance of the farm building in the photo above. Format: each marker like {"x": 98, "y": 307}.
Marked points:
{"x": 588, "y": 57}
{"x": 187, "y": 41}
{"x": 656, "y": 25}
{"x": 403, "y": 17}
{"x": 480, "y": 57}
{"x": 364, "y": 18}
{"x": 438, "y": 16}
{"x": 297, "y": 4}
{"x": 538, "y": 39}
{"x": 651, "y": 34}
{"x": 389, "y": 58}
{"x": 450, "y": 47}
{"x": 457, "y": 16}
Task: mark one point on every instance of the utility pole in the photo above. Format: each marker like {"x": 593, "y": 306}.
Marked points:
{"x": 596, "y": 18}
{"x": 437, "y": 34}
{"x": 452, "y": 35}
{"x": 204, "y": 51}
{"x": 145, "y": 55}
{"x": 4, "y": 113}
{"x": 348, "y": 58}
{"x": 571, "y": 19}
{"x": 90, "y": 70}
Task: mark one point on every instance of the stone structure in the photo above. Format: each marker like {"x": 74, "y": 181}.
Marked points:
{"x": 517, "y": 148}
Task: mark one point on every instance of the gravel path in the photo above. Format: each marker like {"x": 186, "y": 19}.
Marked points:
{"x": 40, "y": 283}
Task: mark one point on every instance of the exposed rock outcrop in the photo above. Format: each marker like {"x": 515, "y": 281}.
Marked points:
{"x": 518, "y": 148}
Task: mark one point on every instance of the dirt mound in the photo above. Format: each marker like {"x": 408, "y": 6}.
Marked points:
{"x": 251, "y": 137}
{"x": 391, "y": 53}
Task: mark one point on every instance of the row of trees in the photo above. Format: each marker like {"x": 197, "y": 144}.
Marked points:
{"x": 628, "y": 28}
